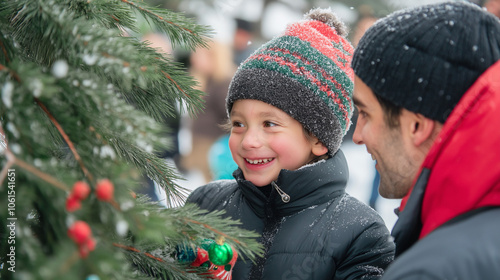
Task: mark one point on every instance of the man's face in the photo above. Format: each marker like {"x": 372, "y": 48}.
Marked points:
{"x": 386, "y": 144}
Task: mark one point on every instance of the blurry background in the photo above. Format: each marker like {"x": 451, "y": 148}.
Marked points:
{"x": 200, "y": 149}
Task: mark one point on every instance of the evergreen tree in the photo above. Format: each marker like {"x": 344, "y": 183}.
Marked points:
{"x": 80, "y": 110}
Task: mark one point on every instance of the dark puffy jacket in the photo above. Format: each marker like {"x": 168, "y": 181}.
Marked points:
{"x": 449, "y": 224}
{"x": 321, "y": 233}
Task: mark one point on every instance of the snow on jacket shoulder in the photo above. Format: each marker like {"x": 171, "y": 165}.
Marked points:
{"x": 321, "y": 233}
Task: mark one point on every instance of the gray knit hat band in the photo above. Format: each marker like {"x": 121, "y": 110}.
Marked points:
{"x": 291, "y": 97}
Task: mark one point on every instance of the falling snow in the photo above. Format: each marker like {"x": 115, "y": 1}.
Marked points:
{"x": 13, "y": 129}
{"x": 15, "y": 148}
{"x": 60, "y": 69}
{"x": 89, "y": 59}
{"x": 87, "y": 83}
{"x": 7, "y": 90}
{"x": 36, "y": 87}
{"x": 121, "y": 228}
{"x": 107, "y": 151}
{"x": 127, "y": 205}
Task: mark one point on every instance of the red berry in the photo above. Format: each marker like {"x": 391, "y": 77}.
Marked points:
{"x": 91, "y": 244}
{"x": 84, "y": 251}
{"x": 80, "y": 232}
{"x": 87, "y": 247}
{"x": 72, "y": 203}
{"x": 104, "y": 190}
{"x": 80, "y": 190}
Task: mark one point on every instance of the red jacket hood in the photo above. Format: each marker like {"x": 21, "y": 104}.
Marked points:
{"x": 465, "y": 159}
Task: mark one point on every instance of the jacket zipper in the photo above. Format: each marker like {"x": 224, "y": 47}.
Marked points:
{"x": 284, "y": 196}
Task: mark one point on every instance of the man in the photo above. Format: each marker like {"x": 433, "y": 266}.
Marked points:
{"x": 427, "y": 88}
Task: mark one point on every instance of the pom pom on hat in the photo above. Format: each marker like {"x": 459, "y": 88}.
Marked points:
{"x": 327, "y": 17}
{"x": 306, "y": 72}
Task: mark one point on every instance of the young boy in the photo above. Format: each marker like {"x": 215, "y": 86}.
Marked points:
{"x": 289, "y": 106}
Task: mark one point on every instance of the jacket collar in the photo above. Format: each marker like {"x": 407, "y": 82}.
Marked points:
{"x": 308, "y": 186}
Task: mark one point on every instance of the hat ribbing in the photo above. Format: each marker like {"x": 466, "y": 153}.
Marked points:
{"x": 425, "y": 58}
{"x": 306, "y": 73}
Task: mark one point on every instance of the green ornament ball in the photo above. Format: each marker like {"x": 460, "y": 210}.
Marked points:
{"x": 220, "y": 254}
{"x": 206, "y": 243}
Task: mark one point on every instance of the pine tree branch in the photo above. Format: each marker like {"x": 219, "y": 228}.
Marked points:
{"x": 129, "y": 248}
{"x": 69, "y": 263}
{"x": 156, "y": 15}
{"x": 210, "y": 225}
{"x": 12, "y": 73}
{"x": 159, "y": 265}
{"x": 180, "y": 29}
{"x": 175, "y": 83}
{"x": 215, "y": 231}
{"x": 26, "y": 166}
{"x": 106, "y": 53}
{"x": 66, "y": 138}
{"x": 5, "y": 170}
{"x": 4, "y": 50}
{"x": 155, "y": 168}
{"x": 72, "y": 57}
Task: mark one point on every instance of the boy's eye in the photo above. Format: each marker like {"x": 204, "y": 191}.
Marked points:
{"x": 237, "y": 124}
{"x": 269, "y": 124}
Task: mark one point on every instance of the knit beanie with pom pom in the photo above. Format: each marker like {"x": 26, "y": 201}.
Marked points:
{"x": 425, "y": 58}
{"x": 306, "y": 72}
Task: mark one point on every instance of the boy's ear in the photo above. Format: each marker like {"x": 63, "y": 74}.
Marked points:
{"x": 318, "y": 148}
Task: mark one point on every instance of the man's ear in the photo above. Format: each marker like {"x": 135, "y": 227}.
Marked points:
{"x": 421, "y": 129}
{"x": 318, "y": 148}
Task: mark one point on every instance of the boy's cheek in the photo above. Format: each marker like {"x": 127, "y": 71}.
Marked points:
{"x": 233, "y": 145}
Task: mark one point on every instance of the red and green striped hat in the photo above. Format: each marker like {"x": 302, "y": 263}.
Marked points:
{"x": 306, "y": 72}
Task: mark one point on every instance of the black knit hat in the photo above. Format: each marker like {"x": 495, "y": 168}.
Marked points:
{"x": 425, "y": 58}
{"x": 306, "y": 73}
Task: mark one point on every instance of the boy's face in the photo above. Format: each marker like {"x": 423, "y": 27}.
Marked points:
{"x": 386, "y": 145}
{"x": 264, "y": 140}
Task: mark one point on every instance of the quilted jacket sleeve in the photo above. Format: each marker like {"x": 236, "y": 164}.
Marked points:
{"x": 369, "y": 254}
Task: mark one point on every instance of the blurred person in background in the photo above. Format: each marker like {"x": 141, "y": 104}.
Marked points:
{"x": 428, "y": 96}
{"x": 213, "y": 68}
{"x": 367, "y": 19}
{"x": 242, "y": 40}
{"x": 161, "y": 43}
{"x": 221, "y": 162}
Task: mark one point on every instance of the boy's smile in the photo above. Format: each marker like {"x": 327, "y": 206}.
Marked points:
{"x": 264, "y": 140}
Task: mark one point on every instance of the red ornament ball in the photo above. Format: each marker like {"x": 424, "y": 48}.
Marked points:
{"x": 80, "y": 190}
{"x": 91, "y": 244}
{"x": 105, "y": 190}
{"x": 73, "y": 203}
{"x": 87, "y": 247}
{"x": 80, "y": 232}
